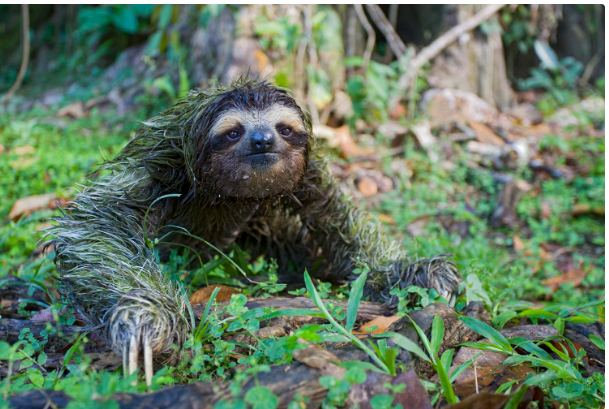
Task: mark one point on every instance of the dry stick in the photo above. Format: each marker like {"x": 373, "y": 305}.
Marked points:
{"x": 25, "y": 59}
{"x": 446, "y": 39}
{"x": 393, "y": 20}
{"x": 359, "y": 10}
{"x": 393, "y": 39}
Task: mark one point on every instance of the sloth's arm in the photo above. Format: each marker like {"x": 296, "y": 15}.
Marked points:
{"x": 109, "y": 273}
{"x": 347, "y": 236}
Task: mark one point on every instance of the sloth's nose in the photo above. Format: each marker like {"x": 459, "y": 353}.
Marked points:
{"x": 262, "y": 141}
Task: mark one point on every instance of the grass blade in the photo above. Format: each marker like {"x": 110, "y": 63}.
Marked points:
{"x": 437, "y": 335}
{"x": 355, "y": 297}
{"x": 405, "y": 343}
{"x": 487, "y": 331}
{"x": 319, "y": 303}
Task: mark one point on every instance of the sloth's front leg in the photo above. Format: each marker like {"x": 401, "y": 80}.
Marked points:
{"x": 111, "y": 276}
{"x": 347, "y": 237}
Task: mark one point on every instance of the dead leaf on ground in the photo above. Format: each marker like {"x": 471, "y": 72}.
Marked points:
{"x": 382, "y": 323}
{"x": 518, "y": 244}
{"x": 386, "y": 219}
{"x": 416, "y": 227}
{"x": 585, "y": 208}
{"x": 23, "y": 150}
{"x": 398, "y": 111}
{"x": 202, "y": 295}
{"x": 367, "y": 186}
{"x": 28, "y": 205}
{"x": 21, "y": 163}
{"x": 75, "y": 110}
{"x": 575, "y": 275}
{"x": 341, "y": 138}
{"x": 485, "y": 134}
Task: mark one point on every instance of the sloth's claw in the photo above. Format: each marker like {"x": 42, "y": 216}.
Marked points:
{"x": 133, "y": 355}
{"x": 130, "y": 359}
{"x": 148, "y": 361}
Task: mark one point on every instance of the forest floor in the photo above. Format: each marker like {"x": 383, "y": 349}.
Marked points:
{"x": 528, "y": 235}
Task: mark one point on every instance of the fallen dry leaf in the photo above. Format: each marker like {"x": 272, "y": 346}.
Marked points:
{"x": 585, "y": 208}
{"x": 75, "y": 110}
{"x": 21, "y": 164}
{"x": 202, "y": 295}
{"x": 341, "y": 138}
{"x": 386, "y": 219}
{"x": 486, "y": 135}
{"x": 381, "y": 322}
{"x": 575, "y": 275}
{"x": 23, "y": 150}
{"x": 28, "y": 205}
{"x": 367, "y": 186}
{"x": 416, "y": 228}
{"x": 398, "y": 111}
{"x": 518, "y": 244}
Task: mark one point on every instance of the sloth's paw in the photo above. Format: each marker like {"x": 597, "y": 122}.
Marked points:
{"x": 437, "y": 272}
{"x": 148, "y": 323}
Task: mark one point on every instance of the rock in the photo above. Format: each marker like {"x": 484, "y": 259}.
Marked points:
{"x": 530, "y": 332}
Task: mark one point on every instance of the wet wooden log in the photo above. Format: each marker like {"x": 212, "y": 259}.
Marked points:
{"x": 62, "y": 337}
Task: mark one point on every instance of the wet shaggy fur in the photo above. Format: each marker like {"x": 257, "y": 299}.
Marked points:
{"x": 103, "y": 242}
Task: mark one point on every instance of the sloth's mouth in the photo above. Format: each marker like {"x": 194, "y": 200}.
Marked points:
{"x": 260, "y": 154}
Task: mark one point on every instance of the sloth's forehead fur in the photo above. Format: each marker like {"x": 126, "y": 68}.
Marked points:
{"x": 276, "y": 114}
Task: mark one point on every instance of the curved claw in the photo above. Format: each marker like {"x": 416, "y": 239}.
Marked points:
{"x": 148, "y": 361}
{"x": 130, "y": 359}
{"x": 133, "y": 355}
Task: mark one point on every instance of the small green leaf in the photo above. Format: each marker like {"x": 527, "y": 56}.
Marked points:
{"x": 356, "y": 375}
{"x": 126, "y": 20}
{"x": 261, "y": 397}
{"x": 42, "y": 358}
{"x": 447, "y": 359}
{"x": 568, "y": 390}
{"x": 515, "y": 400}
{"x": 381, "y": 402}
{"x": 5, "y": 351}
{"x": 598, "y": 341}
{"x": 165, "y": 16}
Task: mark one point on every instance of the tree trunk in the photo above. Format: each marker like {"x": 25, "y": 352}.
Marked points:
{"x": 475, "y": 63}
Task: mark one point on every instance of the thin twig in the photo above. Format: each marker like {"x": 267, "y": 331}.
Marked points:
{"x": 25, "y": 59}
{"x": 361, "y": 15}
{"x": 393, "y": 20}
{"x": 393, "y": 39}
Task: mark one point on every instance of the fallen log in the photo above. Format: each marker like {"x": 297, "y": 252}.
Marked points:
{"x": 58, "y": 336}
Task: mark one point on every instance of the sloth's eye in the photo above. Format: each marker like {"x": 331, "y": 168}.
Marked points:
{"x": 234, "y": 134}
{"x": 286, "y": 131}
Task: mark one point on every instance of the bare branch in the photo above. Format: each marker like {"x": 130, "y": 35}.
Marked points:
{"x": 361, "y": 15}
{"x": 393, "y": 39}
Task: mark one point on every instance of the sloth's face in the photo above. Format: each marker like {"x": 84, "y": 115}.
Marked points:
{"x": 258, "y": 153}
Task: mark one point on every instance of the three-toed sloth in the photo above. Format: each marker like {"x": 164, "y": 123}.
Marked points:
{"x": 230, "y": 165}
